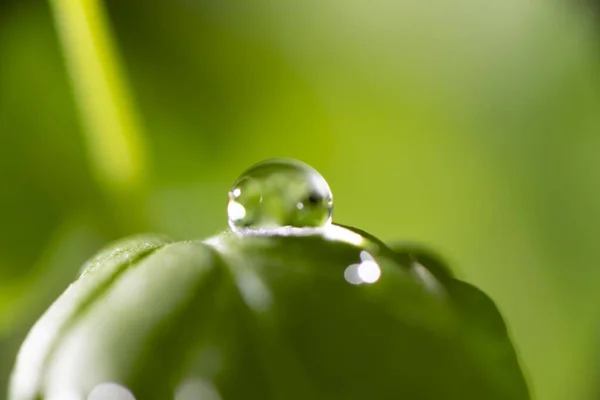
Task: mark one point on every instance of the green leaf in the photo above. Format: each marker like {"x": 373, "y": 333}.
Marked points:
{"x": 270, "y": 315}
{"x": 480, "y": 320}
{"x": 75, "y": 301}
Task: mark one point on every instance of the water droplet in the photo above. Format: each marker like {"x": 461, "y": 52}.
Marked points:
{"x": 279, "y": 192}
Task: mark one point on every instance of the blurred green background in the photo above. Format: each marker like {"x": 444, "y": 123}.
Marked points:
{"x": 472, "y": 127}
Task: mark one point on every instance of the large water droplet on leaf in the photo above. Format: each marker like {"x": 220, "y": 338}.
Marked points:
{"x": 279, "y": 192}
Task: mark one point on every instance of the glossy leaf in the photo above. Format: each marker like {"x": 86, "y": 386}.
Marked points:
{"x": 269, "y": 316}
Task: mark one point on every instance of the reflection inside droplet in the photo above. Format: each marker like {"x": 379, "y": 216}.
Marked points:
{"x": 367, "y": 271}
{"x": 110, "y": 391}
{"x": 279, "y": 193}
{"x": 236, "y": 211}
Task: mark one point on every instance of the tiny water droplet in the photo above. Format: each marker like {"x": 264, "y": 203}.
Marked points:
{"x": 279, "y": 192}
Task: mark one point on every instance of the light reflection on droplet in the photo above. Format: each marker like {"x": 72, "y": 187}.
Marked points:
{"x": 236, "y": 211}
{"x": 236, "y": 192}
{"x": 110, "y": 391}
{"x": 367, "y": 271}
{"x": 195, "y": 389}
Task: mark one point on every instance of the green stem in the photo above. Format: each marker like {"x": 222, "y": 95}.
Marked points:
{"x": 113, "y": 136}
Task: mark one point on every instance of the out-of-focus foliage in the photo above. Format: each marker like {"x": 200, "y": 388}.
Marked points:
{"x": 470, "y": 126}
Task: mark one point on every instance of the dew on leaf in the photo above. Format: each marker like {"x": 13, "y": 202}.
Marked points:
{"x": 279, "y": 192}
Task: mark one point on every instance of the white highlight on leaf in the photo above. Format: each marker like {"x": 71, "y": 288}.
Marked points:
{"x": 110, "y": 391}
{"x": 427, "y": 279}
{"x": 195, "y": 389}
{"x": 367, "y": 271}
{"x": 253, "y": 290}
{"x": 336, "y": 232}
{"x": 351, "y": 275}
{"x": 329, "y": 232}
{"x": 65, "y": 396}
